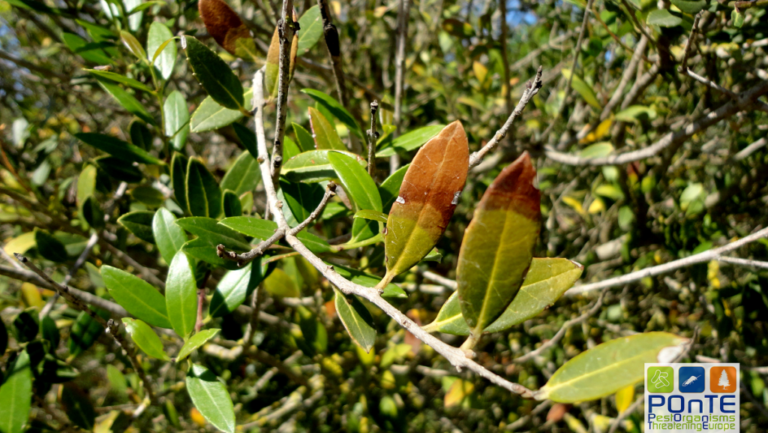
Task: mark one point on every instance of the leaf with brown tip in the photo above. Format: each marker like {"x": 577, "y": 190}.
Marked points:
{"x": 427, "y": 199}
{"x": 272, "y": 67}
{"x": 227, "y": 29}
{"x": 498, "y": 245}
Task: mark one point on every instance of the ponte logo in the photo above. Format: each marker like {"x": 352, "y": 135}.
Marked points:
{"x": 692, "y": 398}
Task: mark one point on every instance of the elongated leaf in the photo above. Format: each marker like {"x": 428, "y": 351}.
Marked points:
{"x": 211, "y": 398}
{"x": 356, "y": 181}
{"x": 84, "y": 332}
{"x": 126, "y": 100}
{"x": 427, "y": 199}
{"x": 169, "y": 236}
{"x": 247, "y": 138}
{"x": 78, "y": 407}
{"x": 195, "y": 342}
{"x": 16, "y": 396}
{"x": 303, "y": 138}
{"x": 263, "y": 229}
{"x": 181, "y": 295}
{"x": 663, "y": 18}
{"x": 133, "y": 45}
{"x": 3, "y": 335}
{"x": 311, "y": 24}
{"x": 368, "y": 280}
{"x": 272, "y": 66}
{"x": 203, "y": 249}
{"x": 582, "y": 88}
{"x": 356, "y": 319}
{"x": 166, "y": 60}
{"x": 140, "y": 135}
{"x": 607, "y": 368}
{"x": 211, "y": 115}
{"x": 410, "y": 141}
{"x": 179, "y": 179}
{"x": 372, "y": 215}
{"x": 324, "y": 133}
{"x": 120, "y": 79}
{"x": 243, "y": 176}
{"x": 235, "y": 287}
{"x": 117, "y": 168}
{"x": 336, "y": 109}
{"x": 147, "y": 195}
{"x": 202, "y": 191}
{"x": 176, "y": 119}
{"x": 390, "y": 188}
{"x": 281, "y": 285}
{"x": 137, "y": 296}
{"x": 214, "y": 75}
{"x": 140, "y": 224}
{"x": 302, "y": 198}
{"x": 87, "y": 51}
{"x": 231, "y": 204}
{"x": 545, "y": 283}
{"x": 145, "y": 338}
{"x": 314, "y": 166}
{"x": 227, "y": 29}
{"x": 498, "y": 245}
{"x": 118, "y": 148}
{"x": 49, "y": 247}
{"x": 212, "y": 232}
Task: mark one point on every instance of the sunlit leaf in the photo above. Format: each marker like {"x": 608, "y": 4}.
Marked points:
{"x": 314, "y": 166}
{"x": 144, "y": 337}
{"x": 214, "y": 75}
{"x": 164, "y": 61}
{"x": 211, "y": 398}
{"x": 181, "y": 295}
{"x": 336, "y": 109}
{"x": 140, "y": 224}
{"x": 356, "y": 319}
{"x": 211, "y": 115}
{"x": 16, "y": 395}
{"x": 243, "y": 176}
{"x": 236, "y": 286}
{"x": 227, "y": 29}
{"x": 311, "y": 24}
{"x": 281, "y": 285}
{"x": 410, "y": 141}
{"x": 324, "y": 133}
{"x": 125, "y": 99}
{"x": 195, "y": 342}
{"x": 120, "y": 79}
{"x": 137, "y": 296}
{"x": 176, "y": 119}
{"x": 263, "y": 229}
{"x": 663, "y": 18}
{"x": 582, "y": 88}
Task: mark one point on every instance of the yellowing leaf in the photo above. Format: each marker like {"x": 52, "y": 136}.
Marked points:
{"x": 498, "y": 245}
{"x": 624, "y": 398}
{"x": 481, "y": 72}
{"x": 575, "y": 204}
{"x": 582, "y": 88}
{"x": 601, "y": 131}
{"x": 597, "y": 206}
{"x": 227, "y": 29}
{"x": 460, "y": 389}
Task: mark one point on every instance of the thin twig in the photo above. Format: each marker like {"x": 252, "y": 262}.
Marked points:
{"x": 762, "y": 106}
{"x": 691, "y": 41}
{"x": 749, "y": 150}
{"x": 372, "y": 135}
{"x": 403, "y": 10}
{"x": 706, "y": 256}
{"x": 333, "y": 46}
{"x": 285, "y": 33}
{"x": 743, "y": 262}
{"x": 531, "y": 89}
{"x": 506, "y": 88}
{"x": 566, "y": 326}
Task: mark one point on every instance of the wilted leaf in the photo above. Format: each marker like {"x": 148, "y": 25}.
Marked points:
{"x": 427, "y": 199}
{"x": 624, "y": 398}
{"x": 459, "y": 390}
{"x": 498, "y": 245}
{"x": 227, "y": 29}
{"x": 356, "y": 319}
{"x": 607, "y": 368}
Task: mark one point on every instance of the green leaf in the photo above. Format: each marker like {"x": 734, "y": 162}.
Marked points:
{"x": 631, "y": 114}
{"x": 290, "y": 148}
{"x": 195, "y": 342}
{"x": 336, "y": 109}
{"x": 179, "y": 179}
{"x": 202, "y": 249}
{"x": 26, "y": 325}
{"x": 84, "y": 332}
{"x": 263, "y": 229}
{"x": 87, "y": 51}
{"x": 49, "y": 332}
{"x": 281, "y": 285}
{"x": 213, "y": 233}
{"x": 356, "y": 319}
{"x": 126, "y": 100}
{"x": 248, "y": 139}
{"x": 545, "y": 283}
{"x": 597, "y": 150}
{"x": 368, "y": 280}
{"x": 243, "y": 176}
{"x": 211, "y": 398}
{"x": 426, "y": 200}
{"x": 140, "y": 224}
{"x": 3, "y": 336}
{"x": 78, "y": 408}
{"x": 311, "y": 24}
{"x": 314, "y": 336}
{"x": 176, "y": 119}
{"x": 410, "y": 141}
{"x": 16, "y": 395}
{"x": 117, "y": 168}
{"x": 607, "y": 368}
{"x": 137, "y": 296}
{"x": 231, "y": 204}
{"x": 325, "y": 135}
{"x": 49, "y": 247}
{"x": 210, "y": 115}
{"x": 390, "y": 188}
{"x": 303, "y": 137}
{"x": 372, "y": 215}
{"x": 737, "y": 17}
{"x": 314, "y": 166}
{"x": 663, "y": 18}
{"x": 120, "y": 79}
{"x": 356, "y": 182}
{"x": 118, "y": 148}
{"x": 147, "y": 195}
{"x": 202, "y": 191}
{"x": 169, "y": 236}
{"x": 690, "y": 194}
{"x": 214, "y": 75}
{"x": 166, "y": 60}
{"x": 582, "y": 88}
{"x": 498, "y": 245}
{"x": 236, "y": 286}
{"x": 145, "y": 338}
{"x": 140, "y": 135}
{"x": 181, "y": 295}
{"x": 302, "y": 198}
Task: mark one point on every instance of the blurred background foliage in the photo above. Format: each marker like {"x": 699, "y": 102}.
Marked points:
{"x": 461, "y": 63}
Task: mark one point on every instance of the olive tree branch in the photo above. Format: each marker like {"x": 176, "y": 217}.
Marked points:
{"x": 403, "y": 10}
{"x": 285, "y": 30}
{"x": 531, "y": 89}
{"x": 454, "y": 355}
{"x": 372, "y": 135}
{"x": 332, "y": 44}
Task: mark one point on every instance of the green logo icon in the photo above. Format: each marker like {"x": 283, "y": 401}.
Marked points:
{"x": 661, "y": 379}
